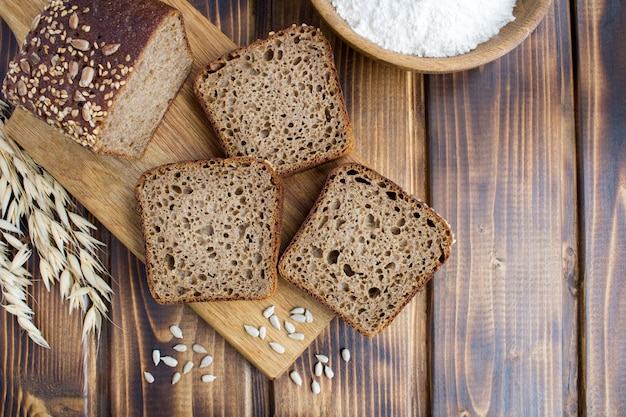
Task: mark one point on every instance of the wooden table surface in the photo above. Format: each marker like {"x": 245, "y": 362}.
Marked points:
{"x": 525, "y": 157}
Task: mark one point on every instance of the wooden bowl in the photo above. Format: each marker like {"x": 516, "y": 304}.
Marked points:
{"x": 528, "y": 14}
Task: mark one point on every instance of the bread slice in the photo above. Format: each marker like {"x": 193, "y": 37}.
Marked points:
{"x": 278, "y": 99}
{"x": 366, "y": 248}
{"x": 211, "y": 229}
{"x": 103, "y": 72}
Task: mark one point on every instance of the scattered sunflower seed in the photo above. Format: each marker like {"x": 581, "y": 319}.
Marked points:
{"x": 278, "y": 348}
{"x": 308, "y": 316}
{"x": 198, "y": 348}
{"x": 175, "y": 377}
{"x": 345, "y": 354}
{"x": 295, "y": 377}
{"x": 296, "y": 336}
{"x": 322, "y": 358}
{"x": 328, "y": 372}
{"x": 169, "y": 361}
{"x": 156, "y": 356}
{"x": 275, "y": 321}
{"x": 148, "y": 377}
{"x": 289, "y": 327}
{"x": 318, "y": 369}
{"x": 187, "y": 367}
{"x": 180, "y": 348}
{"x": 297, "y": 310}
{"x": 176, "y": 332}
{"x": 251, "y": 330}
{"x": 262, "y": 332}
{"x": 299, "y": 318}
{"x": 206, "y": 361}
{"x": 268, "y": 312}
{"x": 315, "y": 387}
{"x": 208, "y": 378}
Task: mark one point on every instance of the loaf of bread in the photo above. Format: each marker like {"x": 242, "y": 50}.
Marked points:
{"x": 211, "y": 229}
{"x": 103, "y": 72}
{"x": 366, "y": 248}
{"x": 278, "y": 99}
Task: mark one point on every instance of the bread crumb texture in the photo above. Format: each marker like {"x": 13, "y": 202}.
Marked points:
{"x": 211, "y": 229}
{"x": 278, "y": 99}
{"x": 103, "y": 72}
{"x": 366, "y": 248}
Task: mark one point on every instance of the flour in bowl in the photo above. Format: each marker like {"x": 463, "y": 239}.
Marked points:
{"x": 426, "y": 28}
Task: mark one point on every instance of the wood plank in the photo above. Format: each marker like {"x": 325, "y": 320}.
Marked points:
{"x": 105, "y": 186}
{"x": 501, "y": 157}
{"x": 389, "y": 374}
{"x": 601, "y": 86}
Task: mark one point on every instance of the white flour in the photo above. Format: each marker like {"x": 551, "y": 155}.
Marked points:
{"x": 426, "y": 28}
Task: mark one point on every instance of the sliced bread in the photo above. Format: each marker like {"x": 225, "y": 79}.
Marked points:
{"x": 278, "y": 99}
{"x": 211, "y": 229}
{"x": 366, "y": 248}
{"x": 103, "y": 72}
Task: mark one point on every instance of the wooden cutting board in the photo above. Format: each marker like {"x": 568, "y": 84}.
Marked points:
{"x": 104, "y": 185}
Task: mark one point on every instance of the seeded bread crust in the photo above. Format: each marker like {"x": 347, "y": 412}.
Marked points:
{"x": 211, "y": 229}
{"x": 278, "y": 99}
{"x": 79, "y": 57}
{"x": 366, "y": 248}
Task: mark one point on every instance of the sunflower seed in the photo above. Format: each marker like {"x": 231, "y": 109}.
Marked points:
{"x": 318, "y": 369}
{"x": 208, "y": 378}
{"x": 296, "y": 336}
{"x": 297, "y": 310}
{"x": 198, "y": 348}
{"x": 299, "y": 318}
{"x": 308, "y": 316}
{"x": 322, "y": 358}
{"x": 289, "y": 327}
{"x": 22, "y": 90}
{"x": 345, "y": 354}
{"x": 176, "y": 332}
{"x": 262, "y": 332}
{"x": 187, "y": 367}
{"x": 251, "y": 330}
{"x": 278, "y": 348}
{"x": 275, "y": 321}
{"x": 268, "y": 312}
{"x": 315, "y": 387}
{"x": 156, "y": 356}
{"x": 295, "y": 377}
{"x": 169, "y": 361}
{"x": 328, "y": 372}
{"x": 180, "y": 348}
{"x": 80, "y": 44}
{"x": 148, "y": 377}
{"x": 206, "y": 361}
{"x": 110, "y": 49}
{"x": 73, "y": 69}
{"x": 175, "y": 377}
{"x": 74, "y": 21}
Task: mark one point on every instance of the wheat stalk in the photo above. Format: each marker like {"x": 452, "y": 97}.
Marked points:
{"x": 68, "y": 253}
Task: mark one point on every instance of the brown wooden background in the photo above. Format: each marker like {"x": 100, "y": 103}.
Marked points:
{"x": 526, "y": 157}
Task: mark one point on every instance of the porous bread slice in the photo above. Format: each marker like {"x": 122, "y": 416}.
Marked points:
{"x": 211, "y": 229}
{"x": 278, "y": 99}
{"x": 103, "y": 72}
{"x": 366, "y": 248}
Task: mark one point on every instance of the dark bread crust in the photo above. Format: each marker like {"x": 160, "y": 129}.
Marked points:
{"x": 227, "y": 60}
{"x": 116, "y": 32}
{"x": 275, "y": 224}
{"x": 317, "y": 291}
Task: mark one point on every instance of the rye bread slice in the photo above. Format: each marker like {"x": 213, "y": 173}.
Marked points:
{"x": 278, "y": 99}
{"x": 366, "y": 248}
{"x": 211, "y": 229}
